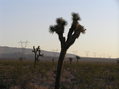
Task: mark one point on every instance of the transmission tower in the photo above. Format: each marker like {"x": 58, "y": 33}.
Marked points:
{"x": 23, "y": 45}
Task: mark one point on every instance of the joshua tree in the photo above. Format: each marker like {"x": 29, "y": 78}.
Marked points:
{"x": 37, "y": 53}
{"x": 73, "y": 34}
{"x": 77, "y": 57}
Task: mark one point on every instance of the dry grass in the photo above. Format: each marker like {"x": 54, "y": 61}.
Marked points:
{"x": 82, "y": 75}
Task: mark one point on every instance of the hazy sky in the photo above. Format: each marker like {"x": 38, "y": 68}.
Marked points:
{"x": 30, "y": 20}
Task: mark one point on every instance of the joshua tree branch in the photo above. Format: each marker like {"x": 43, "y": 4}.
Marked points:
{"x": 72, "y": 39}
{"x": 71, "y": 30}
{"x": 62, "y": 40}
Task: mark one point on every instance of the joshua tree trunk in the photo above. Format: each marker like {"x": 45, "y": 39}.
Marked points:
{"x": 59, "y": 68}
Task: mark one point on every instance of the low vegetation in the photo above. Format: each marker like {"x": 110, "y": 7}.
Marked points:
{"x": 77, "y": 75}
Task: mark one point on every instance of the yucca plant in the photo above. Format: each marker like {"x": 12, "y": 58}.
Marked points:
{"x": 73, "y": 34}
{"x": 77, "y": 57}
{"x": 37, "y": 53}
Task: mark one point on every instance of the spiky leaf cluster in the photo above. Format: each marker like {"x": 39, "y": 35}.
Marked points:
{"x": 59, "y": 27}
{"x": 79, "y": 29}
{"x": 76, "y": 28}
{"x": 75, "y": 16}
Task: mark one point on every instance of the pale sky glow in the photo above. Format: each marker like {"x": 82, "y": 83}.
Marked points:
{"x": 30, "y": 20}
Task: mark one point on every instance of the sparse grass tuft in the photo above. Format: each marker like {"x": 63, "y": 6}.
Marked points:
{"x": 82, "y": 75}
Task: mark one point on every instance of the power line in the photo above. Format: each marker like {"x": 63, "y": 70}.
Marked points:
{"x": 23, "y": 45}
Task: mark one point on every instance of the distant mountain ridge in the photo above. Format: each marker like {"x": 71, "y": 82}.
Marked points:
{"x": 14, "y": 52}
